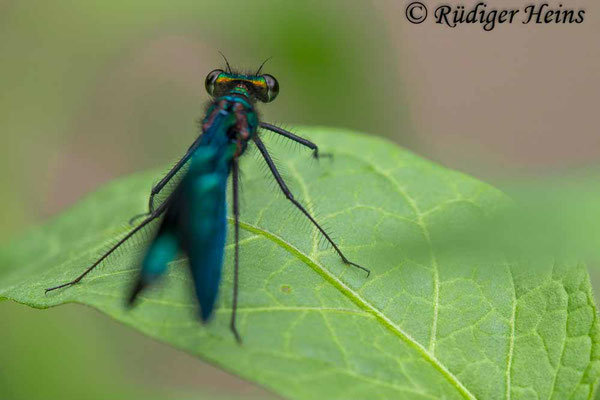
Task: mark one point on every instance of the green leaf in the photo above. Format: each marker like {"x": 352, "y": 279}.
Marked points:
{"x": 436, "y": 318}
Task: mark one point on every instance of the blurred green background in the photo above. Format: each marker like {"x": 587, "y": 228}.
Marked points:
{"x": 95, "y": 90}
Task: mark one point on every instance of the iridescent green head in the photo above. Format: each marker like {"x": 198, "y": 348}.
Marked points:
{"x": 262, "y": 87}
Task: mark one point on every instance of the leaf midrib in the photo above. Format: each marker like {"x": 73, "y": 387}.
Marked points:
{"x": 362, "y": 303}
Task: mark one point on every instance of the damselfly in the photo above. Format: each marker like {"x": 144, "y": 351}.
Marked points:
{"x": 194, "y": 213}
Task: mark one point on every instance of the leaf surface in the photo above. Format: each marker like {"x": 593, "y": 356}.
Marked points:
{"x": 436, "y": 319}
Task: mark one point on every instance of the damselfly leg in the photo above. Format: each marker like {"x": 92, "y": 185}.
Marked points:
{"x": 156, "y": 189}
{"x": 288, "y": 194}
{"x": 155, "y": 214}
{"x": 295, "y": 138}
{"x": 235, "y": 173}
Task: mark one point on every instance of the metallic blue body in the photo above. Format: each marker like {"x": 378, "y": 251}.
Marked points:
{"x": 195, "y": 222}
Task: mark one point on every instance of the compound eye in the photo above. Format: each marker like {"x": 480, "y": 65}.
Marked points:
{"x": 273, "y": 87}
{"x": 211, "y": 79}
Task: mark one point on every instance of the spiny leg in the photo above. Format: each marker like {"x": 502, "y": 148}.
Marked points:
{"x": 236, "y": 261}
{"x": 290, "y": 197}
{"x": 295, "y": 138}
{"x": 156, "y": 189}
{"x": 155, "y": 214}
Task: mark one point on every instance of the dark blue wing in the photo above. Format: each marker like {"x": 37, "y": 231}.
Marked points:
{"x": 202, "y": 224}
{"x": 204, "y": 232}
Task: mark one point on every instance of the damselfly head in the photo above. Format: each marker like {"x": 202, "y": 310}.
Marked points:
{"x": 263, "y": 87}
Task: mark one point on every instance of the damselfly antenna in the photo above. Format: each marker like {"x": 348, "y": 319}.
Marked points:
{"x": 261, "y": 65}
{"x": 226, "y": 62}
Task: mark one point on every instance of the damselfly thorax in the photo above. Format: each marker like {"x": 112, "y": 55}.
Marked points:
{"x": 244, "y": 121}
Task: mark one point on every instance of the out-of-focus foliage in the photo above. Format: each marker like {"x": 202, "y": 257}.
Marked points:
{"x": 558, "y": 214}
